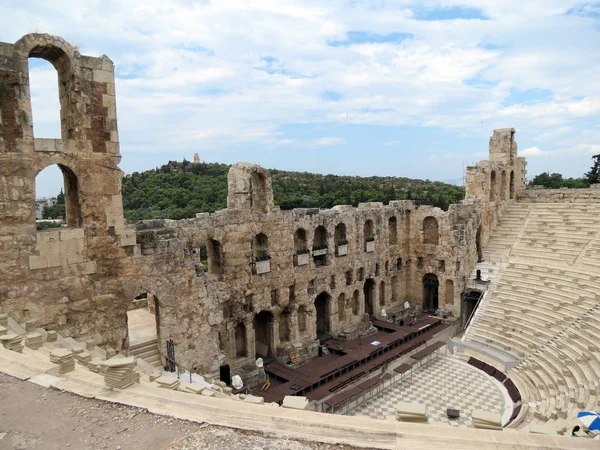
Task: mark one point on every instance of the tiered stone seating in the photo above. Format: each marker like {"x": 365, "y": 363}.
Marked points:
{"x": 545, "y": 306}
{"x": 506, "y": 233}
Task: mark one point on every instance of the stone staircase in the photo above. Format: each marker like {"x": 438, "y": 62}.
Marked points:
{"x": 148, "y": 351}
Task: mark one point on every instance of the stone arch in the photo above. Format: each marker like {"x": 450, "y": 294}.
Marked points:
{"x": 249, "y": 187}
{"x": 369, "y": 231}
{"x": 71, "y": 195}
{"x": 382, "y": 293}
{"x": 393, "y": 230}
{"x": 512, "y": 185}
{"x": 215, "y": 257}
{"x": 449, "y": 292}
{"x": 369, "y": 293}
{"x": 355, "y": 303}
{"x": 260, "y": 247}
{"x": 284, "y": 326}
{"x": 137, "y": 318}
{"x": 430, "y": 231}
{"x": 301, "y": 313}
{"x": 319, "y": 246}
{"x": 478, "y": 244}
{"x": 492, "y": 196}
{"x": 503, "y": 191}
{"x": 340, "y": 234}
{"x": 430, "y": 292}
{"x": 300, "y": 240}
{"x": 241, "y": 346}
{"x": 323, "y": 319}
{"x": 341, "y": 307}
{"x": 263, "y": 333}
{"x": 62, "y": 56}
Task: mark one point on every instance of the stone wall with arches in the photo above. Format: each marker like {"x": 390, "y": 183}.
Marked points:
{"x": 271, "y": 280}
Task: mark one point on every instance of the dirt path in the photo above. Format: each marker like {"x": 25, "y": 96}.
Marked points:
{"x": 33, "y": 417}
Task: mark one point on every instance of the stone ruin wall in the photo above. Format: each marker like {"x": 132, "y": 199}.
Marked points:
{"x": 591, "y": 195}
{"x": 66, "y": 279}
{"x": 81, "y": 280}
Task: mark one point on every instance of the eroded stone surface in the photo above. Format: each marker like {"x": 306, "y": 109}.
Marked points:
{"x": 275, "y": 278}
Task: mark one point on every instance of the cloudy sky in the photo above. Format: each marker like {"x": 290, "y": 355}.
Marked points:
{"x": 382, "y": 87}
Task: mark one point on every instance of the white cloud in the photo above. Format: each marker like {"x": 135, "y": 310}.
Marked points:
{"x": 328, "y": 141}
{"x": 195, "y": 75}
{"x": 532, "y": 151}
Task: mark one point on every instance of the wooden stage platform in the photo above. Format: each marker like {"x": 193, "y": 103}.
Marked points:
{"x": 356, "y": 360}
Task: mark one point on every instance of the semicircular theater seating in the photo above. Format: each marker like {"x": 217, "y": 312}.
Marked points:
{"x": 543, "y": 307}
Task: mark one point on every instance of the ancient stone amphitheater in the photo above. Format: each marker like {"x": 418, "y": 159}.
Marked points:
{"x": 342, "y": 305}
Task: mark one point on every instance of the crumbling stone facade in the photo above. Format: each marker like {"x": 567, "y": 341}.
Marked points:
{"x": 275, "y": 279}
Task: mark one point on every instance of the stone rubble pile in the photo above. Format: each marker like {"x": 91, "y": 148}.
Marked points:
{"x": 83, "y": 358}
{"x": 64, "y": 358}
{"x": 4, "y": 320}
{"x": 119, "y": 372}
{"x": 12, "y": 341}
{"x": 34, "y": 340}
{"x": 168, "y": 383}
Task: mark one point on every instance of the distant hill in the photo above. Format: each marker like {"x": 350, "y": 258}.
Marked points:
{"x": 181, "y": 189}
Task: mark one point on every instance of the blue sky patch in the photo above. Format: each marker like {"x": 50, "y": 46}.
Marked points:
{"x": 366, "y": 37}
{"x": 331, "y": 95}
{"x": 518, "y": 96}
{"x": 452, "y": 13}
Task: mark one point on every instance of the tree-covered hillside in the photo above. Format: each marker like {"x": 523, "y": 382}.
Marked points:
{"x": 182, "y": 189}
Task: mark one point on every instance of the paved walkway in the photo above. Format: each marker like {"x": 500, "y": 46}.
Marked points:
{"x": 142, "y": 326}
{"x": 443, "y": 383}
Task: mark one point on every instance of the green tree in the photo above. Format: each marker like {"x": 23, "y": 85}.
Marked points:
{"x": 593, "y": 176}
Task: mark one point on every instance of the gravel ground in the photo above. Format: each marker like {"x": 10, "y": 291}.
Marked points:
{"x": 34, "y": 417}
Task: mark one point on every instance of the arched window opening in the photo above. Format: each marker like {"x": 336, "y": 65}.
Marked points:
{"x": 322, "y": 305}
{"x": 215, "y": 257}
{"x": 260, "y": 247}
{"x": 493, "y": 186}
{"x": 355, "y": 303}
{"x": 341, "y": 307}
{"x": 301, "y": 255}
{"x": 258, "y": 192}
{"x": 512, "y": 185}
{"x": 369, "y": 293}
{"x": 45, "y": 100}
{"x": 430, "y": 292}
{"x": 240, "y": 340}
{"x": 302, "y": 319}
{"x": 449, "y": 292}
{"x": 478, "y": 244}
{"x": 394, "y": 289}
{"x": 263, "y": 333}
{"x": 300, "y": 243}
{"x": 341, "y": 242}
{"x": 382, "y": 293}
{"x": 143, "y": 328}
{"x": 503, "y": 192}
{"x": 63, "y": 207}
{"x": 320, "y": 246}
{"x": 430, "y": 231}
{"x": 284, "y": 326}
{"x": 369, "y": 236}
{"x": 393, "y": 230}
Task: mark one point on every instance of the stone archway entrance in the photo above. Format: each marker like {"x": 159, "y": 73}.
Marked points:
{"x": 430, "y": 292}
{"x": 143, "y": 329}
{"x": 322, "y": 303}
{"x": 263, "y": 334}
{"x": 369, "y": 292}
{"x": 478, "y": 245}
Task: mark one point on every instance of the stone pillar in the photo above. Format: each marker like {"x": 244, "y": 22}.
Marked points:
{"x": 250, "y": 339}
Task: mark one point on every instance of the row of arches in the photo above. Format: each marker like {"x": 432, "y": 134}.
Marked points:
{"x": 503, "y": 193}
